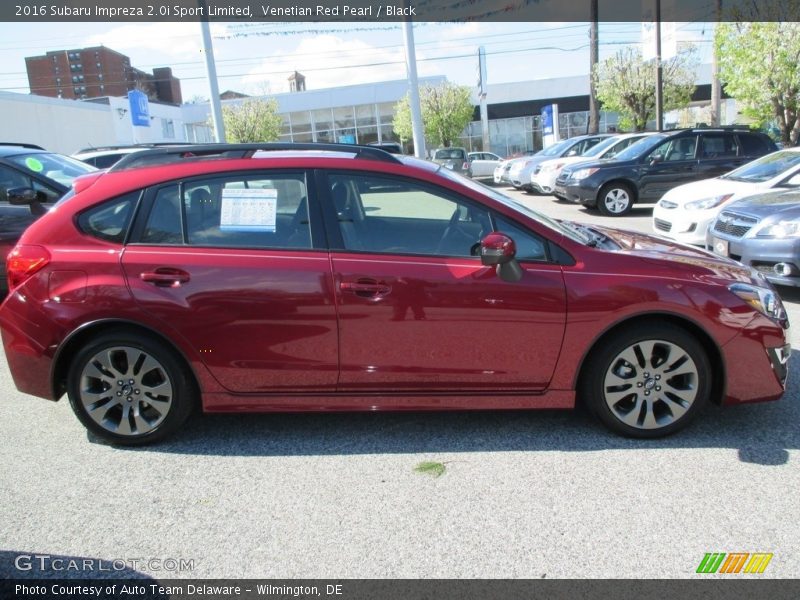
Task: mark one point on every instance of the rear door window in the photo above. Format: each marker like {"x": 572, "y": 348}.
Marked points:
{"x": 753, "y": 145}
{"x": 255, "y": 211}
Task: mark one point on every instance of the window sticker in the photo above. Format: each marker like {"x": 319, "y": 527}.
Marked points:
{"x": 248, "y": 210}
{"x": 34, "y": 164}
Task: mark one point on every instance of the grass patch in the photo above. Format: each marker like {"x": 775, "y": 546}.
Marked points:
{"x": 434, "y": 469}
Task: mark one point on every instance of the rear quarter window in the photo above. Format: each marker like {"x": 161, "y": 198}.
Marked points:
{"x": 754, "y": 145}
{"x": 110, "y": 220}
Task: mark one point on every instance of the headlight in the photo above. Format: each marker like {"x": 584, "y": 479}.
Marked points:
{"x": 781, "y": 229}
{"x": 583, "y": 173}
{"x": 707, "y": 203}
{"x": 763, "y": 300}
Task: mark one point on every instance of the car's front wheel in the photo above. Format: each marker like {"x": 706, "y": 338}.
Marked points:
{"x": 615, "y": 200}
{"x": 647, "y": 382}
{"x": 127, "y": 388}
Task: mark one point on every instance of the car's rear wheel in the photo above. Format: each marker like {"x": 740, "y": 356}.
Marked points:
{"x": 129, "y": 389}
{"x": 647, "y": 382}
{"x": 615, "y": 200}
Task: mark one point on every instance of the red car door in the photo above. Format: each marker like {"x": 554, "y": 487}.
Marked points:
{"x": 238, "y": 277}
{"x": 418, "y": 311}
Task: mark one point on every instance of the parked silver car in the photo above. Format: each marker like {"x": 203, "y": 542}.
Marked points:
{"x": 521, "y": 171}
{"x": 454, "y": 159}
{"x": 762, "y": 231}
{"x": 483, "y": 163}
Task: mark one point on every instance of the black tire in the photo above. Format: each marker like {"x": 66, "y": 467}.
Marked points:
{"x": 655, "y": 398}
{"x": 615, "y": 199}
{"x": 130, "y": 404}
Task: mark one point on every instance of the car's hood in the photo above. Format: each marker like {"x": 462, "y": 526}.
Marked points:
{"x": 597, "y": 163}
{"x": 709, "y": 188}
{"x": 781, "y": 205}
{"x": 695, "y": 263}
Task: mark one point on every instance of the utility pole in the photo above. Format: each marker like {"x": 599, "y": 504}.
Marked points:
{"x": 413, "y": 88}
{"x": 594, "y": 58}
{"x": 716, "y": 85}
{"x": 211, "y": 71}
{"x": 482, "y": 91}
{"x": 659, "y": 72}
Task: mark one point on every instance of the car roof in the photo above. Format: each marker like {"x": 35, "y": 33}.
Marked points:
{"x": 12, "y": 148}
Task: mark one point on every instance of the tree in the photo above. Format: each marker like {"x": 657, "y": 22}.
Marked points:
{"x": 253, "y": 120}
{"x": 759, "y": 67}
{"x": 626, "y": 84}
{"x": 446, "y": 110}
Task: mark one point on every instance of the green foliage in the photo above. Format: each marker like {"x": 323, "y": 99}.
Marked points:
{"x": 254, "y": 120}
{"x": 446, "y": 110}
{"x": 626, "y": 84}
{"x": 759, "y": 67}
{"x": 434, "y": 469}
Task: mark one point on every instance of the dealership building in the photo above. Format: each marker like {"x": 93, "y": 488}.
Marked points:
{"x": 355, "y": 113}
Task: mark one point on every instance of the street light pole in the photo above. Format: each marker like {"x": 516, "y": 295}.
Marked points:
{"x": 211, "y": 71}
{"x": 413, "y": 89}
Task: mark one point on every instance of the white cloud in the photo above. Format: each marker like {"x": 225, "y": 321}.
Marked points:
{"x": 330, "y": 61}
{"x": 169, "y": 41}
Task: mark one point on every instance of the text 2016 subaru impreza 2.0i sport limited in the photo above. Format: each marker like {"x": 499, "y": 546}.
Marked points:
{"x": 331, "y": 277}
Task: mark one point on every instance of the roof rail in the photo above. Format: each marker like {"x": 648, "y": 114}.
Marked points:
{"x": 165, "y": 155}
{"x": 22, "y": 145}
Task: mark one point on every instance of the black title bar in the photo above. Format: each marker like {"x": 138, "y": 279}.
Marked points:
{"x": 392, "y": 10}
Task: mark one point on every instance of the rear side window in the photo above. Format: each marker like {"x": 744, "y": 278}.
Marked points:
{"x": 753, "y": 145}
{"x": 718, "y": 145}
{"x": 262, "y": 211}
{"x": 109, "y": 221}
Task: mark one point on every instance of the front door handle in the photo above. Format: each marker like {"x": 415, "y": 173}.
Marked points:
{"x": 366, "y": 288}
{"x": 165, "y": 277}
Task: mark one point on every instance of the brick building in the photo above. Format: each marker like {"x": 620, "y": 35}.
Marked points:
{"x": 95, "y": 72}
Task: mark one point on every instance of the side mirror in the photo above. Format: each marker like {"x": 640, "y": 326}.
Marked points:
{"x": 572, "y": 153}
{"x": 21, "y": 196}
{"x": 794, "y": 181}
{"x": 656, "y": 158}
{"x": 25, "y": 196}
{"x": 499, "y": 250}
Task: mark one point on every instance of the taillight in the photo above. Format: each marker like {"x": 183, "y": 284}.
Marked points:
{"x": 23, "y": 261}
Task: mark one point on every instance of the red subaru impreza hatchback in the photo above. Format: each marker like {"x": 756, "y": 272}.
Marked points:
{"x": 281, "y": 277}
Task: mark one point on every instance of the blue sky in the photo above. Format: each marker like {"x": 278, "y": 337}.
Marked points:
{"x": 257, "y": 58}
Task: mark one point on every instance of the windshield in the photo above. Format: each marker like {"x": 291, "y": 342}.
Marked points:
{"x": 766, "y": 167}
{"x": 641, "y": 147}
{"x": 556, "y": 149}
{"x": 598, "y": 149}
{"x": 62, "y": 169}
{"x": 575, "y": 234}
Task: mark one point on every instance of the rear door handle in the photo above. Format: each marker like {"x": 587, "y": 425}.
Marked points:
{"x": 165, "y": 277}
{"x": 366, "y": 288}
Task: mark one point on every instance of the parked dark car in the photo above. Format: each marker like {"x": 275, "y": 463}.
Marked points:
{"x": 322, "y": 277}
{"x": 44, "y": 177}
{"x": 762, "y": 231}
{"x": 647, "y": 169}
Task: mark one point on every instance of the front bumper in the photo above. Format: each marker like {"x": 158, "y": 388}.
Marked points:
{"x": 687, "y": 227}
{"x": 763, "y": 254}
{"x": 580, "y": 192}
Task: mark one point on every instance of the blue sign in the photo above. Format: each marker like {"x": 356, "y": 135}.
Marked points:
{"x": 347, "y": 139}
{"x": 547, "y": 120}
{"x": 140, "y": 110}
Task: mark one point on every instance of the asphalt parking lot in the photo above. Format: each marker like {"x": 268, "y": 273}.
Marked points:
{"x": 523, "y": 495}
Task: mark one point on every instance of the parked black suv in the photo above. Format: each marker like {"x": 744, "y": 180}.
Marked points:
{"x": 647, "y": 169}
{"x": 26, "y": 169}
